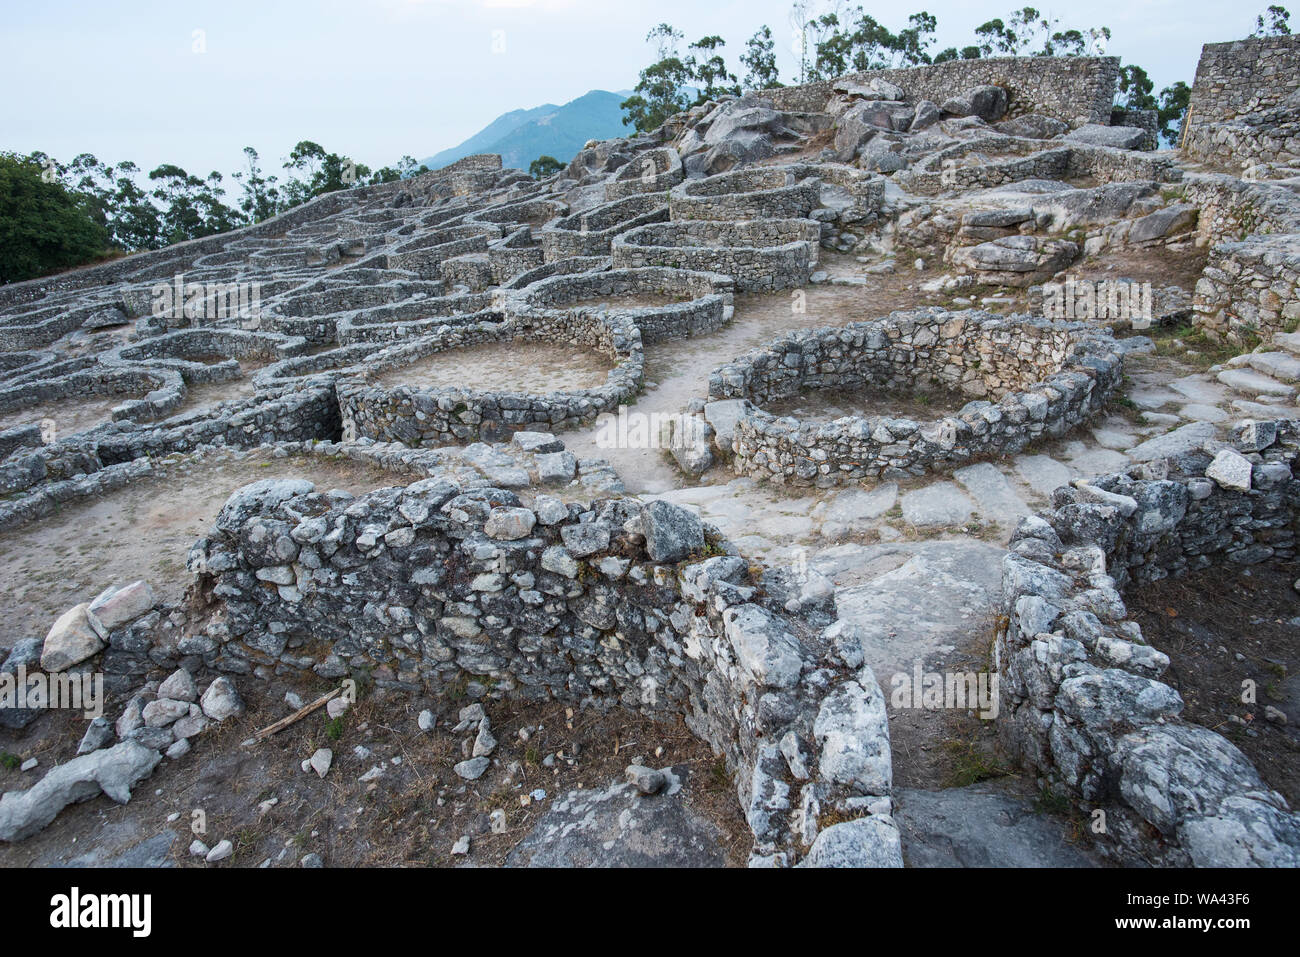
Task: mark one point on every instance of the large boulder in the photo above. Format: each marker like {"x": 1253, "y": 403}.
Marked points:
{"x": 690, "y": 448}
{"x": 1170, "y": 221}
{"x": 883, "y": 153}
{"x": 1189, "y": 781}
{"x": 1016, "y": 260}
{"x": 1033, "y": 126}
{"x": 1092, "y": 206}
{"x": 114, "y": 771}
{"x": 723, "y": 414}
{"x": 117, "y": 606}
{"x": 852, "y": 731}
{"x": 861, "y": 122}
{"x": 765, "y": 650}
{"x": 744, "y": 115}
{"x": 1118, "y": 137}
{"x": 926, "y": 114}
{"x": 105, "y": 318}
{"x": 72, "y": 639}
{"x": 736, "y": 132}
{"x": 871, "y": 841}
{"x": 987, "y": 102}
{"x": 672, "y": 533}
{"x": 258, "y": 498}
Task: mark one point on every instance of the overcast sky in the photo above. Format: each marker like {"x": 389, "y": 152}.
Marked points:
{"x": 192, "y": 83}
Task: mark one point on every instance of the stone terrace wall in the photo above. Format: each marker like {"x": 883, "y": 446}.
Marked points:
{"x": 1076, "y": 90}
{"x": 1235, "y": 83}
{"x": 1080, "y": 701}
{"x": 612, "y": 604}
{"x": 1248, "y": 289}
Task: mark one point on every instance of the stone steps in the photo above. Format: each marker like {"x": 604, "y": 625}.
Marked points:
{"x": 1280, "y": 365}
{"x": 1263, "y": 410}
{"x": 1288, "y": 341}
{"x": 1253, "y": 384}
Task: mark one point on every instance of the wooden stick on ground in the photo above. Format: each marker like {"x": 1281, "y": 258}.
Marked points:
{"x": 296, "y": 716}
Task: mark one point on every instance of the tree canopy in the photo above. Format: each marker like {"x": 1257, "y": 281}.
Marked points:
{"x": 55, "y": 215}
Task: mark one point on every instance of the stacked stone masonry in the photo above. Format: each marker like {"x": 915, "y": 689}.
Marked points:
{"x": 1082, "y": 701}
{"x": 1028, "y": 379}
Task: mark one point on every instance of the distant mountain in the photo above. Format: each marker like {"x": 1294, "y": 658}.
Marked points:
{"x": 521, "y": 136}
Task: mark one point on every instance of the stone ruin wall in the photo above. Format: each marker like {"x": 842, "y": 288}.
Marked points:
{"x": 761, "y": 255}
{"x": 1076, "y": 90}
{"x": 1245, "y": 117}
{"x": 1081, "y": 701}
{"x": 612, "y": 604}
{"x": 1044, "y": 378}
{"x": 427, "y": 567}
{"x": 1250, "y": 287}
{"x": 1244, "y": 102}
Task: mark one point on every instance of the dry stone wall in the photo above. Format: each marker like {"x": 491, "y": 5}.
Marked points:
{"x": 613, "y": 604}
{"x": 1082, "y": 701}
{"x": 1248, "y": 290}
{"x": 1076, "y": 90}
{"x": 1245, "y": 104}
{"x": 1042, "y": 379}
{"x": 765, "y": 255}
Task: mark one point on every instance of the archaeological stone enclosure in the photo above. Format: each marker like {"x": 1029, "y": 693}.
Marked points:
{"x": 884, "y": 444}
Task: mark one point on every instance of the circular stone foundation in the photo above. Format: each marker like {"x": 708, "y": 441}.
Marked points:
{"x": 664, "y": 303}
{"x": 419, "y": 415}
{"x": 1024, "y": 378}
{"x": 81, "y": 400}
{"x": 768, "y": 192}
{"x": 764, "y": 255}
{"x": 589, "y": 233}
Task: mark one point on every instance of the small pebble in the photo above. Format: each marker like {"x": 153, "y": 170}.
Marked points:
{"x": 321, "y": 761}
{"x": 646, "y": 780}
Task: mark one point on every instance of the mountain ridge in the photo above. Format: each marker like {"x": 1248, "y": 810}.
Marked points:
{"x": 522, "y": 135}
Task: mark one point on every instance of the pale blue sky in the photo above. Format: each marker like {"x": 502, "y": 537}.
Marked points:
{"x": 379, "y": 78}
